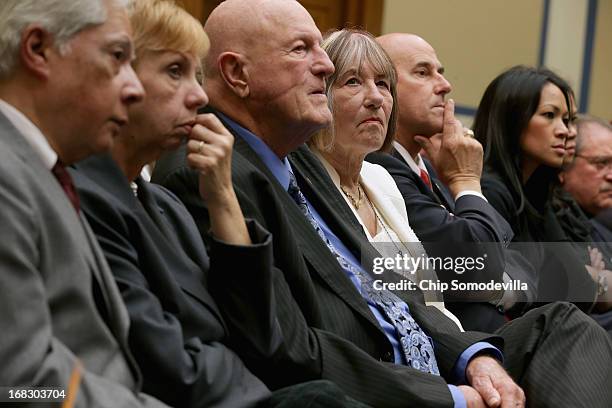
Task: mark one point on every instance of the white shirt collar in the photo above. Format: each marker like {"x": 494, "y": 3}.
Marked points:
{"x": 31, "y": 133}
{"x": 417, "y": 165}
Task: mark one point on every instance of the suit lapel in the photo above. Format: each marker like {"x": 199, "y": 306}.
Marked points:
{"x": 118, "y": 317}
{"x": 314, "y": 250}
{"x": 424, "y": 188}
{"x": 166, "y": 236}
{"x": 322, "y": 193}
{"x": 439, "y": 189}
{"x": 104, "y": 171}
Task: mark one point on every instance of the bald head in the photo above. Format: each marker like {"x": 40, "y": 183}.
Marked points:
{"x": 267, "y": 70}
{"x": 230, "y": 13}
{"x": 421, "y": 87}
{"x": 250, "y": 23}
{"x": 398, "y": 45}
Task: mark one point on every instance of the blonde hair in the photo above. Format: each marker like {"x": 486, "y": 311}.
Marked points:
{"x": 349, "y": 48}
{"x": 163, "y": 25}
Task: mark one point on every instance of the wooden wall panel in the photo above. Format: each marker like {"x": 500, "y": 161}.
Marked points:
{"x": 327, "y": 14}
{"x": 334, "y": 14}
{"x": 195, "y": 8}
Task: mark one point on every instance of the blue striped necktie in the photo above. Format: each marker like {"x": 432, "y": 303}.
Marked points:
{"x": 416, "y": 345}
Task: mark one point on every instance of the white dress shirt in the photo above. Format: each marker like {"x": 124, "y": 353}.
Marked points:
{"x": 419, "y": 165}
{"x": 31, "y": 133}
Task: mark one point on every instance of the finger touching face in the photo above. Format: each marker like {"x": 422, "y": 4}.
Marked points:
{"x": 421, "y": 88}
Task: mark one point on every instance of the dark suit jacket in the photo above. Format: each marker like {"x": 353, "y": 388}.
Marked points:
{"x": 435, "y": 216}
{"x": 327, "y": 329}
{"x": 50, "y": 318}
{"x": 466, "y": 228}
{"x": 601, "y": 231}
{"x": 161, "y": 266}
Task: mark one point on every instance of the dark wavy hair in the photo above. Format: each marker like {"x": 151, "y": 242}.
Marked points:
{"x": 503, "y": 114}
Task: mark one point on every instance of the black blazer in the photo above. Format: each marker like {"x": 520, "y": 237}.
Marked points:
{"x": 434, "y": 215}
{"x": 161, "y": 266}
{"x": 443, "y": 225}
{"x": 558, "y": 261}
{"x": 327, "y": 329}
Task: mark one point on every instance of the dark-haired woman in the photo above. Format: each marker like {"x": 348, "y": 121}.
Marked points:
{"x": 522, "y": 122}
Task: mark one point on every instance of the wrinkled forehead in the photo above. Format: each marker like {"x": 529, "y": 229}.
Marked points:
{"x": 595, "y": 137}
{"x": 419, "y": 53}
{"x": 286, "y": 20}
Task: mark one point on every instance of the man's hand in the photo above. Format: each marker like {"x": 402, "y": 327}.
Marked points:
{"x": 456, "y": 157}
{"x": 494, "y": 385}
{"x": 472, "y": 397}
{"x": 597, "y": 263}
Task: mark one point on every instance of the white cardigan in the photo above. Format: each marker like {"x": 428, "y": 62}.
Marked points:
{"x": 388, "y": 201}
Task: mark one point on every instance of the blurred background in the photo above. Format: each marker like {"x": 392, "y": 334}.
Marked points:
{"x": 478, "y": 39}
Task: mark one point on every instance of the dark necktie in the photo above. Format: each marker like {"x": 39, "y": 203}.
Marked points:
{"x": 62, "y": 175}
{"x": 65, "y": 180}
{"x": 426, "y": 179}
{"x": 416, "y": 346}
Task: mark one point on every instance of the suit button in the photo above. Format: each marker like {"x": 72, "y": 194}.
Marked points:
{"x": 388, "y": 357}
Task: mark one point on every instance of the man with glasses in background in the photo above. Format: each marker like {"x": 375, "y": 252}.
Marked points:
{"x": 588, "y": 178}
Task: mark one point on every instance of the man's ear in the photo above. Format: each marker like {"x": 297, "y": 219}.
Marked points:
{"x": 233, "y": 71}
{"x": 35, "y": 47}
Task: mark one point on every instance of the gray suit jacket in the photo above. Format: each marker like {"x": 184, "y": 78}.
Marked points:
{"x": 57, "y": 290}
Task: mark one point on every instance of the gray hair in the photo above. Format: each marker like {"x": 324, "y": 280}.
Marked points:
{"x": 583, "y": 120}
{"x": 347, "y": 49}
{"x": 63, "y": 19}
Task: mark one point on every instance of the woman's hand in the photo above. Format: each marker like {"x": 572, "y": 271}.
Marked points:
{"x": 209, "y": 151}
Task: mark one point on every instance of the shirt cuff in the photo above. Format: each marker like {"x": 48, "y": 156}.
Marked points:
{"x": 458, "y": 397}
{"x": 477, "y": 348}
{"x": 470, "y": 192}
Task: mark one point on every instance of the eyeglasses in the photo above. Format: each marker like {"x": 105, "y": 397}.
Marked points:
{"x": 601, "y": 163}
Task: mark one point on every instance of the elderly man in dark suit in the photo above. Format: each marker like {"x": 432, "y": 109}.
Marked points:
{"x": 459, "y": 222}
{"x": 65, "y": 85}
{"x": 266, "y": 79}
